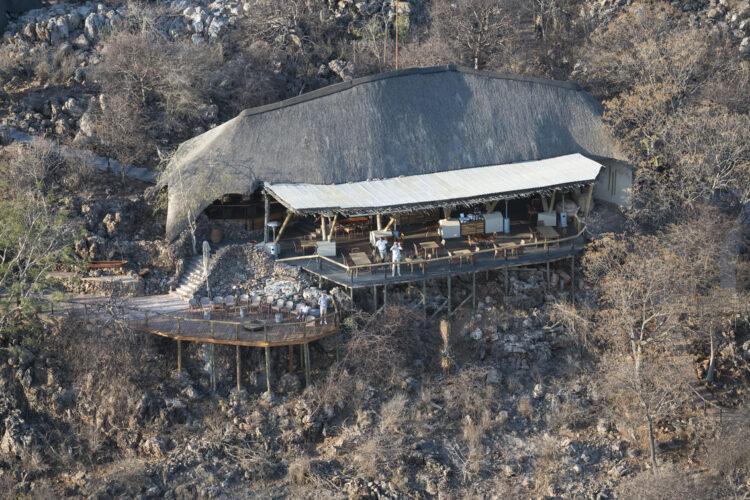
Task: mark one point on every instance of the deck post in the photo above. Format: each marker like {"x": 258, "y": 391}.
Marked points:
{"x": 379, "y": 222}
{"x": 302, "y": 356}
{"x": 549, "y": 284}
{"x": 179, "y": 355}
{"x": 266, "y": 212}
{"x": 179, "y": 328}
{"x": 320, "y": 278}
{"x": 351, "y": 297}
{"x": 283, "y": 226}
{"x": 572, "y": 279}
{"x": 375, "y": 297}
{"x": 291, "y": 360}
{"x": 145, "y": 318}
{"x": 449, "y": 296}
{"x": 385, "y": 295}
{"x": 307, "y": 364}
{"x": 213, "y": 367}
{"x": 239, "y": 367}
{"x": 424, "y": 299}
{"x": 474, "y": 292}
{"x": 505, "y": 273}
{"x": 268, "y": 369}
{"x": 587, "y": 205}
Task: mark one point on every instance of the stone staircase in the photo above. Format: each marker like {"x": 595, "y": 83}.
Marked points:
{"x": 191, "y": 280}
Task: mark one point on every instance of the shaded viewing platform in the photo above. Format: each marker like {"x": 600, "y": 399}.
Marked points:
{"x": 426, "y": 257}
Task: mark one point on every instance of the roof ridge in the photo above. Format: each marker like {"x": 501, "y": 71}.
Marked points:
{"x": 342, "y": 86}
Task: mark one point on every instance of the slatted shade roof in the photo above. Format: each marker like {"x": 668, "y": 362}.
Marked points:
{"x": 447, "y": 188}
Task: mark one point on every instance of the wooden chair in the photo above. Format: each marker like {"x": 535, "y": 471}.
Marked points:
{"x": 297, "y": 248}
{"x": 278, "y": 306}
{"x": 218, "y": 305}
{"x": 206, "y": 304}
{"x": 244, "y": 300}
{"x": 194, "y": 305}
{"x": 255, "y": 304}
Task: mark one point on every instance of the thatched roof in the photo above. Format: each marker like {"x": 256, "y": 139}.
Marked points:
{"x": 406, "y": 122}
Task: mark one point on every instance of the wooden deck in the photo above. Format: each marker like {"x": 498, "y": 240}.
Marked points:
{"x": 462, "y": 259}
{"x": 230, "y": 329}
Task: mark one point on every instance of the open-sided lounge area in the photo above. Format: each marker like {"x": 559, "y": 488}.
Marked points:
{"x": 410, "y": 229}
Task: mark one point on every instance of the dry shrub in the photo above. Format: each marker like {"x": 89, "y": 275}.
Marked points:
{"x": 569, "y": 415}
{"x": 513, "y": 384}
{"x": 299, "y": 471}
{"x": 729, "y": 453}
{"x": 548, "y": 458}
{"x": 392, "y": 413}
{"x": 380, "y": 346}
{"x": 668, "y": 483}
{"x": 467, "y": 393}
{"x": 526, "y": 407}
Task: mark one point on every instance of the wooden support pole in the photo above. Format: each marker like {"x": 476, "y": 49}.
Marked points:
{"x": 322, "y": 227}
{"x": 424, "y": 298}
{"x": 446, "y": 212}
{"x": 213, "y": 367}
{"x": 307, "y": 364}
{"x": 302, "y": 356}
{"x": 549, "y": 284}
{"x": 385, "y": 295}
{"x": 449, "y": 295}
{"x": 490, "y": 207}
{"x": 268, "y": 369}
{"x": 572, "y": 279}
{"x": 379, "y": 222}
{"x": 281, "y": 229}
{"x": 375, "y": 297}
{"x": 333, "y": 226}
{"x": 266, "y": 216}
{"x": 505, "y": 270}
{"x": 551, "y": 207}
{"x": 291, "y": 360}
{"x": 474, "y": 291}
{"x": 390, "y": 223}
{"x": 587, "y": 206}
{"x": 179, "y": 355}
{"x": 545, "y": 206}
{"x": 351, "y": 298}
{"x": 238, "y": 364}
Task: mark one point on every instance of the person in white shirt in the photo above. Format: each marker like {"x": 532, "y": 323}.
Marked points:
{"x": 382, "y": 246}
{"x": 396, "y": 258}
{"x": 323, "y": 303}
{"x": 303, "y": 312}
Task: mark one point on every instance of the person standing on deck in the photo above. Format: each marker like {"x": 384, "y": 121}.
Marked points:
{"x": 323, "y": 303}
{"x": 396, "y": 258}
{"x": 381, "y": 245}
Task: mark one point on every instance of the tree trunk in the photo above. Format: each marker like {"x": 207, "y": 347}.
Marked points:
{"x": 652, "y": 443}
{"x": 712, "y": 361}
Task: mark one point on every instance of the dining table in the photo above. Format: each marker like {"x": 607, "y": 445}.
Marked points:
{"x": 428, "y": 247}
{"x": 361, "y": 259}
{"x": 546, "y": 233}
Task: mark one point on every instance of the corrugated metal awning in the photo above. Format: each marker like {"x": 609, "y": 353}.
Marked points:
{"x": 454, "y": 187}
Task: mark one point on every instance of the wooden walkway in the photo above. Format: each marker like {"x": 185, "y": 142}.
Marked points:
{"x": 252, "y": 331}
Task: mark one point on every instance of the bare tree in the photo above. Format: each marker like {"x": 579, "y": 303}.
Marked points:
{"x": 481, "y": 30}
{"x": 36, "y": 234}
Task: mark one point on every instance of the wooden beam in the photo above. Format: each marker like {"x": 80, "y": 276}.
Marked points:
{"x": 446, "y": 212}
{"x": 490, "y": 207}
{"x": 333, "y": 226}
{"x": 322, "y": 226}
{"x": 281, "y": 229}
{"x": 390, "y": 223}
{"x": 266, "y": 210}
{"x": 268, "y": 369}
{"x": 379, "y": 221}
